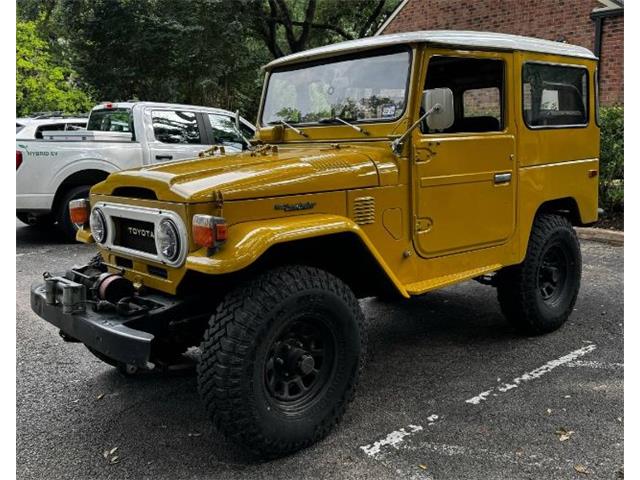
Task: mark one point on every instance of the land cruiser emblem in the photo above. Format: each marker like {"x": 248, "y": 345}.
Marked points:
{"x": 292, "y": 207}
{"x": 140, "y": 232}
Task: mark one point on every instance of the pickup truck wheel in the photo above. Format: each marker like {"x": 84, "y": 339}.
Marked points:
{"x": 65, "y": 226}
{"x": 538, "y": 295}
{"x": 281, "y": 358}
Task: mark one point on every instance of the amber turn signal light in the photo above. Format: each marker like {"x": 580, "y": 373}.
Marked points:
{"x": 209, "y": 231}
{"x": 79, "y": 211}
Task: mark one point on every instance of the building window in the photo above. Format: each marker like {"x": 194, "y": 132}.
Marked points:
{"x": 478, "y": 92}
{"x": 554, "y": 95}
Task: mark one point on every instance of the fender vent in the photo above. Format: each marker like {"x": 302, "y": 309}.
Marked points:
{"x": 364, "y": 210}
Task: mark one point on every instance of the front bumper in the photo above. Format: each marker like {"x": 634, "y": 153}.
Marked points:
{"x": 128, "y": 339}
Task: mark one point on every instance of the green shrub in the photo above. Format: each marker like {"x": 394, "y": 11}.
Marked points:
{"x": 612, "y": 159}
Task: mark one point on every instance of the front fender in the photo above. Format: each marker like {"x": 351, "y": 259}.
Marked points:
{"x": 248, "y": 241}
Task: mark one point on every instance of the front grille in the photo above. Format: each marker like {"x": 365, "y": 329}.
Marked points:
{"x": 135, "y": 234}
{"x": 131, "y": 232}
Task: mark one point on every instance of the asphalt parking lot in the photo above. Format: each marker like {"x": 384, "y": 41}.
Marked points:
{"x": 450, "y": 392}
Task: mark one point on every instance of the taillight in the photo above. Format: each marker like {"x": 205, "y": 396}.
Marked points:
{"x": 79, "y": 211}
{"x": 18, "y": 159}
{"x": 209, "y": 231}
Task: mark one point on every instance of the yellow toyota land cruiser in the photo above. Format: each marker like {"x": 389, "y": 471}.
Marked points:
{"x": 391, "y": 165}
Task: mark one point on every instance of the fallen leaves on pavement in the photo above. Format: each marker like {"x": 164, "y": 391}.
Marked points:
{"x": 564, "y": 434}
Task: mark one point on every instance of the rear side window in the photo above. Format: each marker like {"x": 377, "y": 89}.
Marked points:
{"x": 173, "y": 126}
{"x": 111, "y": 120}
{"x": 48, "y": 128}
{"x": 555, "y": 95}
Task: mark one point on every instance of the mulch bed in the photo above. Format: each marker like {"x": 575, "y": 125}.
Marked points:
{"x": 612, "y": 222}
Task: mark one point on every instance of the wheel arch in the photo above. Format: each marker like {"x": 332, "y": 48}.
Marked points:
{"x": 566, "y": 207}
{"x": 329, "y": 242}
{"x": 89, "y": 176}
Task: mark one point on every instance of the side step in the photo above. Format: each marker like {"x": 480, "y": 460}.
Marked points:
{"x": 424, "y": 286}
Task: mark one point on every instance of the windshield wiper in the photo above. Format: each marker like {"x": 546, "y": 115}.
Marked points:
{"x": 297, "y": 130}
{"x": 342, "y": 120}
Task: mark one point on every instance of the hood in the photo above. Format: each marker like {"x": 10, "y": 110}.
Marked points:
{"x": 288, "y": 171}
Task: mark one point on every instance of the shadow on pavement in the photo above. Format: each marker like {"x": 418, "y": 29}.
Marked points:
{"x": 27, "y": 236}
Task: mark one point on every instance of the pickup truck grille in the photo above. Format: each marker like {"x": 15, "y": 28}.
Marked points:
{"x": 135, "y": 234}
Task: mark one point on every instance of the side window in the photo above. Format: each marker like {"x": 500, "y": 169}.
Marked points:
{"x": 224, "y": 131}
{"x": 175, "y": 127}
{"x": 555, "y": 95}
{"x": 478, "y": 92}
{"x": 48, "y": 128}
{"x": 482, "y": 102}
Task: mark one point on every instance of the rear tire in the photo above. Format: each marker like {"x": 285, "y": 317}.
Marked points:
{"x": 538, "y": 295}
{"x": 281, "y": 358}
{"x": 65, "y": 226}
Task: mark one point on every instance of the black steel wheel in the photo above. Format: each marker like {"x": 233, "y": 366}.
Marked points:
{"x": 552, "y": 273}
{"x": 281, "y": 358}
{"x": 300, "y": 363}
{"x": 538, "y": 295}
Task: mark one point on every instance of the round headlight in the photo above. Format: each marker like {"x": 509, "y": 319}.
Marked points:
{"x": 168, "y": 240}
{"x": 98, "y": 225}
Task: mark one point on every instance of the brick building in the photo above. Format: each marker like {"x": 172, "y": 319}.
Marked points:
{"x": 595, "y": 24}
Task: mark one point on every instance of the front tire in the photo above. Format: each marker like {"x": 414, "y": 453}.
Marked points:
{"x": 538, "y": 295}
{"x": 281, "y": 358}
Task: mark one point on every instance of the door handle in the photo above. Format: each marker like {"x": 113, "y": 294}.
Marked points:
{"x": 164, "y": 157}
{"x": 499, "y": 178}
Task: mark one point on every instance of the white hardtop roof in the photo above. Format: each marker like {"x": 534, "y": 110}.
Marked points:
{"x": 448, "y": 38}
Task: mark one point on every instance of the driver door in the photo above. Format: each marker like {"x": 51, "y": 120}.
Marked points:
{"x": 464, "y": 177}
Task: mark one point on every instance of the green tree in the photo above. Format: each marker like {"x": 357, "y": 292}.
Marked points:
{"x": 288, "y": 26}
{"x": 206, "y": 52}
{"x": 41, "y": 83}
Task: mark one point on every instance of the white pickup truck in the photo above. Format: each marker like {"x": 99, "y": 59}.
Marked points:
{"x": 63, "y": 165}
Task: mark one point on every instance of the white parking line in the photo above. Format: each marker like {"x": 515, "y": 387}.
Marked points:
{"x": 594, "y": 364}
{"x": 409, "y": 438}
{"x": 395, "y": 438}
{"x": 532, "y": 375}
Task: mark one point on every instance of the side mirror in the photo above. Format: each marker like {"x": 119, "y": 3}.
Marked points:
{"x": 442, "y": 117}
{"x": 237, "y": 119}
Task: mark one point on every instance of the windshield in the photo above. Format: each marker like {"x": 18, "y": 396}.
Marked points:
{"x": 111, "y": 120}
{"x": 358, "y": 89}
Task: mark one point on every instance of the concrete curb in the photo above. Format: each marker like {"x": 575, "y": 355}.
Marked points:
{"x": 612, "y": 237}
